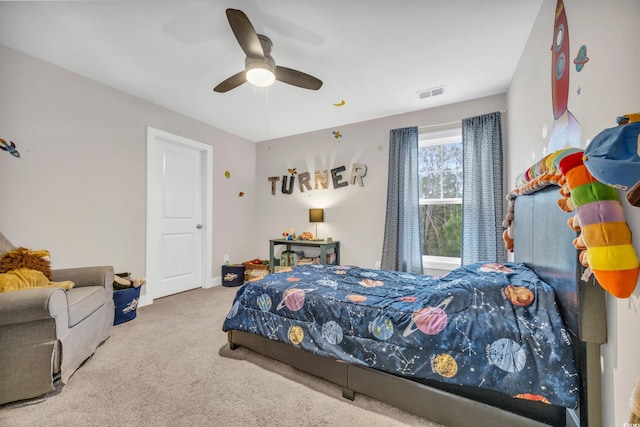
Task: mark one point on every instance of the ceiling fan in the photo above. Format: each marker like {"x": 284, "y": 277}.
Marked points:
{"x": 260, "y": 67}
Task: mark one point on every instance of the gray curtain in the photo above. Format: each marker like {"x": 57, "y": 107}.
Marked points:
{"x": 482, "y": 194}
{"x": 402, "y": 245}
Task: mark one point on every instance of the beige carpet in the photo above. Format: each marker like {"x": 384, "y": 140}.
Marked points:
{"x": 172, "y": 366}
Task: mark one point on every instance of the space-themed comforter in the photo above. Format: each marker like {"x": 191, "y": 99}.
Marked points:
{"x": 495, "y": 326}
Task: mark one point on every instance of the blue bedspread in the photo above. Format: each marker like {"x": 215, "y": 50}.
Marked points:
{"x": 495, "y": 326}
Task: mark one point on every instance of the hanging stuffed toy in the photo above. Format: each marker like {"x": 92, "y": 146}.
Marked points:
{"x": 605, "y": 236}
{"x": 613, "y": 157}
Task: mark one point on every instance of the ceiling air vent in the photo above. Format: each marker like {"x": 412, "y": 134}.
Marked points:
{"x": 434, "y": 91}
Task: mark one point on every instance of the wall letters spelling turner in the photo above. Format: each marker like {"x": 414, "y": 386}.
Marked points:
{"x": 358, "y": 172}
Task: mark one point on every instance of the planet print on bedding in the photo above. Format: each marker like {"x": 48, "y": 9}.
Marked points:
{"x": 296, "y": 335}
{"x": 444, "y": 365}
{"x": 332, "y": 332}
{"x": 293, "y": 299}
{"x": 356, "y": 298}
{"x": 328, "y": 283}
{"x": 429, "y": 320}
{"x": 264, "y": 302}
{"x": 370, "y": 283}
{"x": 519, "y": 295}
{"x": 507, "y": 355}
{"x": 381, "y": 327}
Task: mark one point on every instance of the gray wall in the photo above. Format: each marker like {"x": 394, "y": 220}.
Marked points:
{"x": 79, "y": 188}
{"x": 354, "y": 215}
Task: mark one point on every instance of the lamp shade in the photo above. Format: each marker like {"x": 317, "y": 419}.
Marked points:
{"x": 316, "y": 215}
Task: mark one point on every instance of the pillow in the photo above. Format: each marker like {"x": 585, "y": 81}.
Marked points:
{"x": 5, "y": 245}
{"x": 26, "y": 258}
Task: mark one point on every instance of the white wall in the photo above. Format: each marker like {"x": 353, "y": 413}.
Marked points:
{"x": 609, "y": 86}
{"x": 354, "y": 215}
{"x": 79, "y": 188}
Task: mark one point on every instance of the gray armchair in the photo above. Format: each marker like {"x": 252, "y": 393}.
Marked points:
{"x": 46, "y": 333}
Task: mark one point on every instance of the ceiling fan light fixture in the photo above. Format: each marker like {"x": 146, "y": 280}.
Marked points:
{"x": 259, "y": 67}
{"x": 259, "y": 74}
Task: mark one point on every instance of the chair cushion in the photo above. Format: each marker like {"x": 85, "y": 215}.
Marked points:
{"x": 83, "y": 301}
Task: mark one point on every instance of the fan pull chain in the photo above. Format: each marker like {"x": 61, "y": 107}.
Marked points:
{"x": 267, "y": 113}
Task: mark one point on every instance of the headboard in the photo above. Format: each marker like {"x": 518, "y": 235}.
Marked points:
{"x": 544, "y": 241}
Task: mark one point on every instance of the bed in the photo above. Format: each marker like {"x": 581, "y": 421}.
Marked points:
{"x": 447, "y": 349}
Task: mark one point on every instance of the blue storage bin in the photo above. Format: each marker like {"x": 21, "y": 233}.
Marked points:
{"x": 126, "y": 301}
{"x": 233, "y": 275}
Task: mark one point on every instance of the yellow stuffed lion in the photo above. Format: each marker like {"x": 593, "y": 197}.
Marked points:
{"x": 22, "y": 268}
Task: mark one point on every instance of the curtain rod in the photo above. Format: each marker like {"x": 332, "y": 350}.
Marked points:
{"x": 445, "y": 124}
{"x": 448, "y": 123}
{"x": 440, "y": 124}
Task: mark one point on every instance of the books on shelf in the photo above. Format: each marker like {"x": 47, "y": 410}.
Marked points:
{"x": 331, "y": 259}
{"x": 295, "y": 258}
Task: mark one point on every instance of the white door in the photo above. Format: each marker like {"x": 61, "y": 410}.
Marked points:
{"x": 175, "y": 215}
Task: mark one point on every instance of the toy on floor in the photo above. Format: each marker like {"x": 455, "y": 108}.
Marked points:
{"x": 124, "y": 281}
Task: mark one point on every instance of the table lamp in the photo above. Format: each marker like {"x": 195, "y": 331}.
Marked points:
{"x": 316, "y": 215}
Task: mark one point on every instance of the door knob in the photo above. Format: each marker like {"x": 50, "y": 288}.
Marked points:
{"x": 199, "y": 226}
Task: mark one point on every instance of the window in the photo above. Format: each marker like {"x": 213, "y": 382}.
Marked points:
{"x": 440, "y": 171}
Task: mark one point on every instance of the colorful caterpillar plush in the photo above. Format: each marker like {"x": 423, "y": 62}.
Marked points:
{"x": 605, "y": 236}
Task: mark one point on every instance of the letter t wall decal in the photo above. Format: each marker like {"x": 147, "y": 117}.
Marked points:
{"x": 273, "y": 180}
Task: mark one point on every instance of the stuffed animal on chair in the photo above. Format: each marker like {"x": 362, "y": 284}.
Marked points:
{"x": 23, "y": 268}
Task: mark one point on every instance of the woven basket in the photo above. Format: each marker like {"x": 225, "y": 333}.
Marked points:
{"x": 251, "y": 266}
{"x": 255, "y": 270}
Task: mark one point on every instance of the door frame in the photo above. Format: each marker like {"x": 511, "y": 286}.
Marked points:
{"x": 153, "y": 224}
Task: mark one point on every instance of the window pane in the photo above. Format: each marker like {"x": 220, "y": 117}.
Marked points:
{"x": 430, "y": 187}
{"x": 440, "y": 169}
{"x": 452, "y": 156}
{"x": 442, "y": 228}
{"x": 452, "y": 185}
{"x": 429, "y": 159}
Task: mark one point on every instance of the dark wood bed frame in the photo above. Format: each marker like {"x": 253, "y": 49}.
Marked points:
{"x": 543, "y": 242}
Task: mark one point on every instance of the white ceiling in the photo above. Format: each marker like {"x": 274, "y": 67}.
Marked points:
{"x": 373, "y": 54}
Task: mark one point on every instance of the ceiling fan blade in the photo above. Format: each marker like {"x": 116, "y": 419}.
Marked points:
{"x": 232, "y": 82}
{"x": 297, "y": 78}
{"x": 245, "y": 33}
